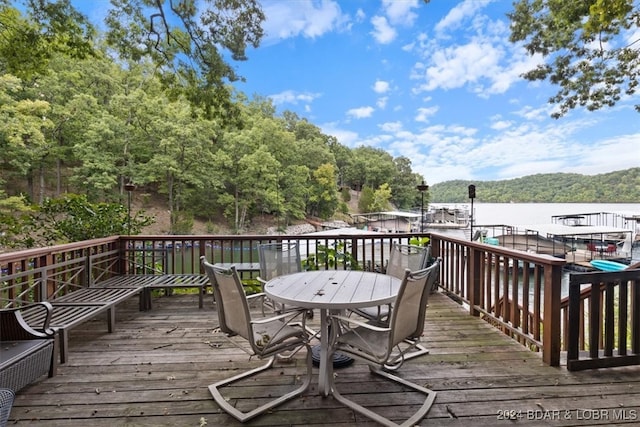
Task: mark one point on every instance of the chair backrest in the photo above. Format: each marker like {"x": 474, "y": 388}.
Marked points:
{"x": 231, "y": 302}
{"x": 277, "y": 259}
{"x": 403, "y": 257}
{"x": 433, "y": 272}
{"x": 406, "y": 317}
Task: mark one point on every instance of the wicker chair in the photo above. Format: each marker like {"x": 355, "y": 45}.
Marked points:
{"x": 6, "y": 401}
{"x": 26, "y": 354}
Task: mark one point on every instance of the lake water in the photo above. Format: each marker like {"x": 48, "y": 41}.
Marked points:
{"x": 541, "y": 213}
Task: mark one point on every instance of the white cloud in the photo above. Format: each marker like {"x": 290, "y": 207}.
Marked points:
{"x": 500, "y": 124}
{"x": 391, "y": 127}
{"x": 446, "y": 152}
{"x": 399, "y": 12}
{"x": 305, "y": 18}
{"x": 293, "y": 97}
{"x": 380, "y": 86}
{"x": 534, "y": 114}
{"x": 606, "y": 155}
{"x": 453, "y": 67}
{"x": 423, "y": 114}
{"x": 382, "y": 31}
{"x": 459, "y": 13}
{"x": 360, "y": 113}
{"x": 381, "y": 103}
{"x": 487, "y": 64}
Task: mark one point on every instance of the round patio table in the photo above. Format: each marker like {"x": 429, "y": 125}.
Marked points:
{"x": 335, "y": 291}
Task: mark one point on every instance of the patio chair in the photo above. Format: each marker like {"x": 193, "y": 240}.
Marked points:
{"x": 6, "y": 402}
{"x": 267, "y": 337}
{"x": 401, "y": 258}
{"x": 278, "y": 259}
{"x": 375, "y": 344}
{"x": 411, "y": 346}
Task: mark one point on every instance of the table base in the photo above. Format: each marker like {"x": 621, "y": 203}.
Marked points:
{"x": 340, "y": 360}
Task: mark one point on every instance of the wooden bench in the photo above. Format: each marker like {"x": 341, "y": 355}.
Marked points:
{"x": 171, "y": 281}
{"x": 145, "y": 283}
{"x": 133, "y": 282}
{"x": 65, "y": 317}
{"x": 77, "y": 307}
{"x": 26, "y": 353}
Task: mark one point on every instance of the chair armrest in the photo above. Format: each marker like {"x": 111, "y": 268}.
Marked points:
{"x": 13, "y": 327}
{"x": 292, "y": 314}
{"x": 349, "y": 320}
{"x": 254, "y": 296}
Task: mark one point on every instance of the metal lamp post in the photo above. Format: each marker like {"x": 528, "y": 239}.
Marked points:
{"x": 422, "y": 188}
{"x": 129, "y": 187}
{"x": 472, "y": 195}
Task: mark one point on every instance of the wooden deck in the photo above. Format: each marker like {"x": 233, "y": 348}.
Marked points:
{"x": 155, "y": 368}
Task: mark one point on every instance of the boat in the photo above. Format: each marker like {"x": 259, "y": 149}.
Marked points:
{"x": 607, "y": 265}
{"x": 531, "y": 242}
{"x": 437, "y": 218}
{"x": 446, "y": 217}
{"x": 571, "y": 239}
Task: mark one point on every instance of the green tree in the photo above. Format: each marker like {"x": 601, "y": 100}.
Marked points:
{"x": 323, "y": 196}
{"x": 23, "y": 138}
{"x": 179, "y": 155}
{"x": 381, "y": 197}
{"x": 344, "y": 160}
{"x": 14, "y": 214}
{"x": 294, "y": 193}
{"x": 371, "y": 167}
{"x": 366, "y": 199}
{"x": 403, "y": 185}
{"x": 185, "y": 42}
{"x": 27, "y": 43}
{"x": 584, "y": 47}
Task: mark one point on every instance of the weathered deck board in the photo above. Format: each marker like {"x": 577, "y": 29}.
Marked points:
{"x": 155, "y": 368}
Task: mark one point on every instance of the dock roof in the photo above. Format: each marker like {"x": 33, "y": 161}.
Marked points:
{"x": 553, "y": 229}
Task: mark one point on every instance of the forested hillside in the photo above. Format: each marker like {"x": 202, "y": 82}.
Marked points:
{"x": 91, "y": 114}
{"x": 614, "y": 187}
{"x": 145, "y": 111}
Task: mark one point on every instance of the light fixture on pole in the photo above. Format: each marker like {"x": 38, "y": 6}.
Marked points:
{"x": 472, "y": 195}
{"x": 129, "y": 187}
{"x": 422, "y": 188}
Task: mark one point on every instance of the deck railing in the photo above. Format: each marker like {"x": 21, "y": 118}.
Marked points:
{"x": 603, "y": 314}
{"x": 517, "y": 292}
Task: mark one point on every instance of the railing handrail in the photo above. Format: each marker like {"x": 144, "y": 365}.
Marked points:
{"x": 15, "y": 256}
{"x": 475, "y": 273}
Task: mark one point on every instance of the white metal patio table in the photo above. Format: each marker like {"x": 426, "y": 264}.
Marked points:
{"x": 334, "y": 290}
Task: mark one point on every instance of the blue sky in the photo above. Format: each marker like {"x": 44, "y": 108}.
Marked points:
{"x": 438, "y": 83}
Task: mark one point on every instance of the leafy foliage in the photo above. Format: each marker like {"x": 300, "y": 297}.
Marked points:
{"x": 614, "y": 187}
{"x": 185, "y": 41}
{"x": 73, "y": 218}
{"x": 336, "y": 254}
{"x": 27, "y": 44}
{"x": 14, "y": 219}
{"x": 590, "y": 49}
